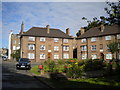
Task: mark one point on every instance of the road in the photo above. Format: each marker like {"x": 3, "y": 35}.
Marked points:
{"x": 13, "y": 79}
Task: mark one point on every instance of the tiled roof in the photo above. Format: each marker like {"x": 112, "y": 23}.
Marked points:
{"x": 95, "y": 32}
{"x": 42, "y": 32}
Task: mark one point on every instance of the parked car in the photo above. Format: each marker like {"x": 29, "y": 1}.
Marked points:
{"x": 4, "y": 58}
{"x": 23, "y": 63}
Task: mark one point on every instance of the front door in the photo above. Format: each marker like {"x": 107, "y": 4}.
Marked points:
{"x": 49, "y": 55}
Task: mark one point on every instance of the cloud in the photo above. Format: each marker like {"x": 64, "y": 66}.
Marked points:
{"x": 59, "y": 15}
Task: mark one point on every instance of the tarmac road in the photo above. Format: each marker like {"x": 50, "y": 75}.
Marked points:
{"x": 13, "y": 79}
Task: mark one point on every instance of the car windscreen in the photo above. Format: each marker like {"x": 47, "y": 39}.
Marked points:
{"x": 24, "y": 60}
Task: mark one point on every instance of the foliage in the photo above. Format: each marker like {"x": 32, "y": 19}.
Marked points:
{"x": 113, "y": 12}
{"x": 92, "y": 65}
{"x": 113, "y": 46}
{"x": 74, "y": 71}
{"x": 16, "y": 55}
{"x": 49, "y": 65}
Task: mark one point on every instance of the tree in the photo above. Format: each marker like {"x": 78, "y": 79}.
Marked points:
{"x": 113, "y": 47}
{"x": 113, "y": 12}
{"x": 16, "y": 55}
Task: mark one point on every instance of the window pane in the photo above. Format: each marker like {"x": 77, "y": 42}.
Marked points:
{"x": 31, "y": 38}
{"x": 65, "y": 40}
{"x": 42, "y": 39}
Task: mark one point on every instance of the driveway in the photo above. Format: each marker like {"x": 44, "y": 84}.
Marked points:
{"x": 12, "y": 78}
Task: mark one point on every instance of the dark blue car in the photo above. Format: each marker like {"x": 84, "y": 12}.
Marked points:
{"x": 23, "y": 63}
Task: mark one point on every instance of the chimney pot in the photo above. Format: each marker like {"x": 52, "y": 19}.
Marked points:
{"x": 82, "y": 30}
{"x": 68, "y": 31}
{"x": 48, "y": 28}
{"x": 102, "y": 28}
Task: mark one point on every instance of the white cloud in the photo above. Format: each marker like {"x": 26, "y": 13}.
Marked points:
{"x": 58, "y": 15}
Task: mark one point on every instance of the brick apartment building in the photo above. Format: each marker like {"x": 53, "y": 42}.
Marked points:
{"x": 93, "y": 43}
{"x": 14, "y": 42}
{"x": 43, "y": 43}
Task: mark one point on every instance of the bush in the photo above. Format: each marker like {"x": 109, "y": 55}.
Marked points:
{"x": 91, "y": 65}
{"x": 74, "y": 71}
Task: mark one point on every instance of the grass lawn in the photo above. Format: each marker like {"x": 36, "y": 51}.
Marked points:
{"x": 35, "y": 70}
{"x": 104, "y": 82}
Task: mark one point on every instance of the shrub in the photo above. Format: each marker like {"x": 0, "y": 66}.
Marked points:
{"x": 91, "y": 65}
{"x": 74, "y": 71}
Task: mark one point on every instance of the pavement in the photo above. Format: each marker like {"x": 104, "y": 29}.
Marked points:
{"x": 19, "y": 79}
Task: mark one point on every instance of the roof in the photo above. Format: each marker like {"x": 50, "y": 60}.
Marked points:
{"x": 96, "y": 32}
{"x": 42, "y": 32}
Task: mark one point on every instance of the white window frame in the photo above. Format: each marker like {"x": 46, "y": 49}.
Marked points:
{"x": 83, "y": 40}
{"x": 84, "y": 56}
{"x": 42, "y": 39}
{"x": 56, "y": 56}
{"x": 56, "y": 48}
{"x": 31, "y": 38}
{"x": 84, "y": 48}
{"x": 93, "y": 47}
{"x": 109, "y": 56}
{"x": 42, "y": 47}
{"x": 31, "y": 55}
{"x": 65, "y": 48}
{"x": 42, "y": 56}
{"x": 14, "y": 47}
{"x": 93, "y": 39}
{"x": 118, "y": 36}
{"x": 94, "y": 56}
{"x": 31, "y": 47}
{"x": 66, "y": 56}
{"x": 65, "y": 40}
{"x": 56, "y": 39}
{"x": 107, "y": 37}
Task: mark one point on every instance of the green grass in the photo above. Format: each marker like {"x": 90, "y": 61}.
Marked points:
{"x": 103, "y": 82}
{"x": 35, "y": 70}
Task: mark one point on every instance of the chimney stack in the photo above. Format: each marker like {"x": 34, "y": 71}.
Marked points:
{"x": 102, "y": 28}
{"x": 68, "y": 31}
{"x": 48, "y": 29}
{"x": 82, "y": 30}
{"x": 22, "y": 28}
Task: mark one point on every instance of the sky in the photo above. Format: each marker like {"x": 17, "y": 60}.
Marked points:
{"x": 59, "y": 15}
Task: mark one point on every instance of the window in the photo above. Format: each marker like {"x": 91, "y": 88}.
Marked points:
{"x": 84, "y": 48}
{"x": 65, "y": 48}
{"x": 93, "y": 47}
{"x": 31, "y": 47}
{"x": 42, "y": 56}
{"x": 42, "y": 47}
{"x": 107, "y": 37}
{"x": 108, "y": 56}
{"x": 84, "y": 56}
{"x": 56, "y": 40}
{"x": 118, "y": 45}
{"x": 31, "y": 38}
{"x": 14, "y": 47}
{"x": 118, "y": 36}
{"x": 18, "y": 47}
{"x": 66, "y": 56}
{"x": 83, "y": 40}
{"x": 94, "y": 56}
{"x": 14, "y": 42}
{"x": 93, "y": 39}
{"x": 31, "y": 55}
{"x": 65, "y": 40}
{"x": 56, "y": 56}
{"x": 42, "y": 39}
{"x": 56, "y": 48}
